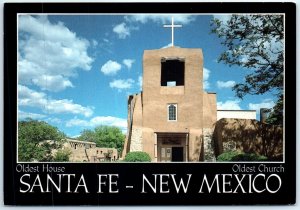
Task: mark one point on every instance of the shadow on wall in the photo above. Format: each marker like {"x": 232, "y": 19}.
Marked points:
{"x": 249, "y": 136}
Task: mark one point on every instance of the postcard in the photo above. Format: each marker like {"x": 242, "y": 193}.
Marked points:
{"x": 149, "y": 103}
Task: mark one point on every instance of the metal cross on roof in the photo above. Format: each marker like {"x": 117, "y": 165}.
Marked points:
{"x": 172, "y": 26}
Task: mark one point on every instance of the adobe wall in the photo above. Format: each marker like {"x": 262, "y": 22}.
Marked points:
{"x": 88, "y": 152}
{"x": 78, "y": 150}
{"x": 187, "y": 97}
{"x": 148, "y": 114}
{"x": 249, "y": 136}
{"x": 209, "y": 110}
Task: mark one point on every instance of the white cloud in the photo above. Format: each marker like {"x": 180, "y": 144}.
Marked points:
{"x": 52, "y": 83}
{"x": 266, "y": 103}
{"x": 227, "y": 84}
{"x": 161, "y": 19}
{"x": 78, "y": 122}
{"x": 140, "y": 82}
{"x": 54, "y": 120}
{"x": 121, "y": 84}
{"x": 106, "y": 40}
{"x": 224, "y": 18}
{"x": 30, "y": 98}
{"x": 108, "y": 120}
{"x": 97, "y": 121}
{"x": 122, "y": 30}
{"x": 75, "y": 136}
{"x": 111, "y": 67}
{"x": 95, "y": 43}
{"x": 206, "y": 84}
{"x": 50, "y": 49}
{"x": 24, "y": 115}
{"x": 229, "y": 105}
{"x": 128, "y": 63}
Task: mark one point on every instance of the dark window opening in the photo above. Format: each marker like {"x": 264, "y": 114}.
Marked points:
{"x": 172, "y": 73}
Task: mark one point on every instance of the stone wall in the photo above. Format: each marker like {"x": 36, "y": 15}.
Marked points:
{"x": 208, "y": 145}
{"x": 136, "y": 139}
{"x": 249, "y": 136}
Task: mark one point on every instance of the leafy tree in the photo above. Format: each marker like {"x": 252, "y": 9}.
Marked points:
{"x": 276, "y": 115}
{"x": 87, "y": 135}
{"x": 62, "y": 155}
{"x": 105, "y": 136}
{"x": 37, "y": 139}
{"x": 255, "y": 42}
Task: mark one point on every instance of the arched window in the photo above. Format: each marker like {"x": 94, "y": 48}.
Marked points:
{"x": 172, "y": 112}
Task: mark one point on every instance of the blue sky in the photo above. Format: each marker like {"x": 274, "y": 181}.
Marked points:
{"x": 76, "y": 71}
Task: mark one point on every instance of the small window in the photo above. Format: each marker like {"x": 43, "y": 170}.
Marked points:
{"x": 172, "y": 112}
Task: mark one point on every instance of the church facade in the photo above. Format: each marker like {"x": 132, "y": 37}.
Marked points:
{"x": 174, "y": 120}
{"x": 170, "y": 116}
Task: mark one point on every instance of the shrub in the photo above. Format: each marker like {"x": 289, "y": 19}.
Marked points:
{"x": 227, "y": 156}
{"x": 137, "y": 157}
{"x": 238, "y": 156}
{"x": 249, "y": 157}
{"x": 62, "y": 155}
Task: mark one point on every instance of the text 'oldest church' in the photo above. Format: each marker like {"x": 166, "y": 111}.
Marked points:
{"x": 173, "y": 119}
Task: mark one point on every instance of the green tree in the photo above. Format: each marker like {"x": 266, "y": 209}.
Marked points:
{"x": 105, "y": 136}
{"x": 87, "y": 135}
{"x": 37, "y": 139}
{"x": 255, "y": 42}
{"x": 62, "y": 155}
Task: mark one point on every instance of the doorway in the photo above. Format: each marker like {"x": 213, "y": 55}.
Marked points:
{"x": 177, "y": 154}
{"x": 172, "y": 147}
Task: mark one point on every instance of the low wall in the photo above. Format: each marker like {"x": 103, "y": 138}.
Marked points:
{"x": 249, "y": 136}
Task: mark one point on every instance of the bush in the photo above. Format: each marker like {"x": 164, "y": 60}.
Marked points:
{"x": 249, "y": 157}
{"x": 227, "y": 156}
{"x": 238, "y": 156}
{"x": 137, "y": 157}
{"x": 62, "y": 155}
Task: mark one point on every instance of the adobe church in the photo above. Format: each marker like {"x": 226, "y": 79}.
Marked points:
{"x": 173, "y": 119}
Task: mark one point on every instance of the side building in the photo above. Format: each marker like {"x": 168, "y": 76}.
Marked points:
{"x": 85, "y": 151}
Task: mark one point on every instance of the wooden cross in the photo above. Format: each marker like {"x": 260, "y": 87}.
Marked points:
{"x": 172, "y": 26}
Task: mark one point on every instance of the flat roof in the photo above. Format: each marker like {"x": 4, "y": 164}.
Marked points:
{"x": 236, "y": 110}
